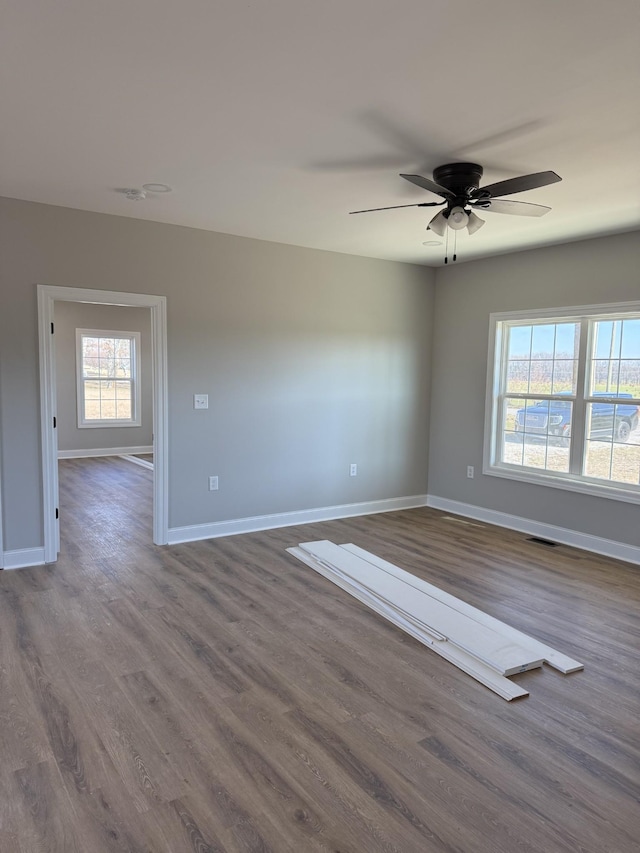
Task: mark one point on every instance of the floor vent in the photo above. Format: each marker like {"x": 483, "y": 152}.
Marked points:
{"x": 540, "y": 541}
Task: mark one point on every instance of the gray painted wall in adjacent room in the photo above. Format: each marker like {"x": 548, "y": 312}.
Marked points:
{"x": 582, "y": 273}
{"x": 70, "y": 316}
{"x": 312, "y": 360}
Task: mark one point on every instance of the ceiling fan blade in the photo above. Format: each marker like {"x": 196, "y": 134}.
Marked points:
{"x": 518, "y": 185}
{"x": 396, "y": 206}
{"x": 428, "y": 185}
{"x": 516, "y": 208}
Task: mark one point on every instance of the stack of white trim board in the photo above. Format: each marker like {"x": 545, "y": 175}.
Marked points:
{"x": 483, "y": 647}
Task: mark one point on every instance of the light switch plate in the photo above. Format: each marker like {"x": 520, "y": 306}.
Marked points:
{"x": 200, "y": 401}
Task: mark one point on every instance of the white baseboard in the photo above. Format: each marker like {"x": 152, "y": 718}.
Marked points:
{"x": 23, "y": 557}
{"x": 103, "y": 451}
{"x": 255, "y": 523}
{"x": 596, "y": 544}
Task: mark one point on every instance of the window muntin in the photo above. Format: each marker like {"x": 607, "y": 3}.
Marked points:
{"x": 532, "y": 435}
{"x": 108, "y": 378}
{"x": 614, "y": 363}
{"x": 612, "y": 447}
{"x": 565, "y": 400}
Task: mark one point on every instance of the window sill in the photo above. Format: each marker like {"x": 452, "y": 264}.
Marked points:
{"x": 109, "y": 424}
{"x": 613, "y": 491}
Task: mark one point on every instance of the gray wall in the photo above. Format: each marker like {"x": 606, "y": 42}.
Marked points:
{"x": 584, "y": 273}
{"x": 70, "y": 316}
{"x": 311, "y": 360}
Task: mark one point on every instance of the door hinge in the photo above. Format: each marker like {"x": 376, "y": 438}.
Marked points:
{"x": 54, "y": 422}
{"x": 52, "y": 328}
{"x": 57, "y": 513}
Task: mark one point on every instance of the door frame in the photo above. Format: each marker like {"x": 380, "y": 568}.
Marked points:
{"x": 1, "y": 517}
{"x": 47, "y": 296}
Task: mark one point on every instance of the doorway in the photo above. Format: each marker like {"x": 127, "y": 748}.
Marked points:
{"x": 47, "y": 296}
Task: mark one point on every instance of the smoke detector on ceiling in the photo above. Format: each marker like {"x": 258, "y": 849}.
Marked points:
{"x": 156, "y": 188}
{"x": 135, "y": 195}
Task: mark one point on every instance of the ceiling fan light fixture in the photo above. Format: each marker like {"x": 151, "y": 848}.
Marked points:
{"x": 438, "y": 224}
{"x": 458, "y": 218}
{"x": 475, "y": 223}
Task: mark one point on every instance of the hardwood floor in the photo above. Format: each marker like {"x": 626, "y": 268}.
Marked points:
{"x": 220, "y": 696}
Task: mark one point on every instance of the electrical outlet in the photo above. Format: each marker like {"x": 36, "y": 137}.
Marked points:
{"x": 213, "y": 484}
{"x": 353, "y": 470}
{"x": 470, "y": 472}
{"x": 200, "y": 401}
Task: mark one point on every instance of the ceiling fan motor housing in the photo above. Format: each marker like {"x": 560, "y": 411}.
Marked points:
{"x": 460, "y": 179}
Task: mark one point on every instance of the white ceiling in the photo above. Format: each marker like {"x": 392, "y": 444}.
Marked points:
{"x": 273, "y": 119}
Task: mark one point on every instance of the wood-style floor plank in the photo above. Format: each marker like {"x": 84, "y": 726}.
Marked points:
{"x": 221, "y": 696}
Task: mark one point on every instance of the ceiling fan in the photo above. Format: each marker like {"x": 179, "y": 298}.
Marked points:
{"x": 459, "y": 185}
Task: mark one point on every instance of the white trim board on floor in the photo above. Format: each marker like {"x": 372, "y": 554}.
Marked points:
{"x": 104, "y": 451}
{"x": 585, "y": 541}
{"x": 444, "y": 623}
{"x": 409, "y": 597}
{"x": 551, "y": 656}
{"x": 454, "y": 654}
{"x": 254, "y": 524}
{"x": 143, "y": 463}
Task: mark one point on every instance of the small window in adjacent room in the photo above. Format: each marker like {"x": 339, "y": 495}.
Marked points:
{"x": 108, "y": 377}
{"x": 563, "y": 404}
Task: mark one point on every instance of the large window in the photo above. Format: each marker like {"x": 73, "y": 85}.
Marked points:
{"x": 108, "y": 378}
{"x": 564, "y": 399}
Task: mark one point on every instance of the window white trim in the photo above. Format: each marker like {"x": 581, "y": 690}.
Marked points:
{"x": 135, "y": 380}
{"x": 572, "y": 480}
